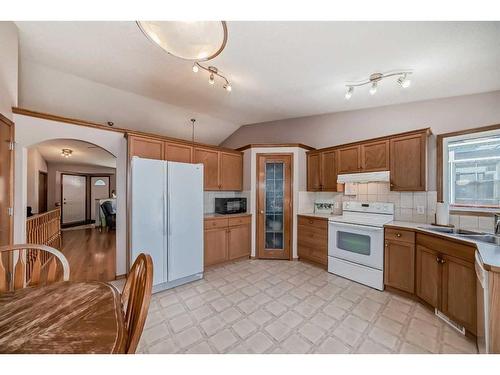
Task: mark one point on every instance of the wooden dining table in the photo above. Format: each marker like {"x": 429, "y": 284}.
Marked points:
{"x": 66, "y": 317}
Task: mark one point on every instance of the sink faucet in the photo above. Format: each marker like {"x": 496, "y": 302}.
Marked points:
{"x": 497, "y": 224}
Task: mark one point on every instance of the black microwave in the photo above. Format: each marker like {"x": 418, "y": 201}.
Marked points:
{"x": 227, "y": 206}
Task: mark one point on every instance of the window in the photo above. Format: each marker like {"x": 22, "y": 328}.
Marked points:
{"x": 99, "y": 182}
{"x": 472, "y": 170}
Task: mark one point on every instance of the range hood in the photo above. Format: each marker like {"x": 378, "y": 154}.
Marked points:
{"x": 364, "y": 177}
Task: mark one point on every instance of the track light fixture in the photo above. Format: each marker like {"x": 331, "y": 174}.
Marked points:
{"x": 214, "y": 72}
{"x": 403, "y": 80}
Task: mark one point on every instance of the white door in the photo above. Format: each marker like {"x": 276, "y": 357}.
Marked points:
{"x": 99, "y": 189}
{"x": 359, "y": 244}
{"x": 73, "y": 193}
{"x": 148, "y": 214}
{"x": 185, "y": 219}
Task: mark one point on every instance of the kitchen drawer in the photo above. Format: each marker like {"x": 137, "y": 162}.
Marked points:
{"x": 312, "y": 221}
{"x": 216, "y": 223}
{"x": 240, "y": 220}
{"x": 447, "y": 247}
{"x": 400, "y": 235}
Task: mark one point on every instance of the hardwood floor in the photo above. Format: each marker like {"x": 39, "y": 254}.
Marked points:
{"x": 90, "y": 253}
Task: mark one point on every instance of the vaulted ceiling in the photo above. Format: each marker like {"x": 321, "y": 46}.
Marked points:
{"x": 277, "y": 69}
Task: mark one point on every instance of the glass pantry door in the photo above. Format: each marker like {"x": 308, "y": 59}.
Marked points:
{"x": 274, "y": 202}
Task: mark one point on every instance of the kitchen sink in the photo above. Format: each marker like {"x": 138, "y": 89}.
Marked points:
{"x": 466, "y": 234}
{"x": 488, "y": 238}
{"x": 448, "y": 230}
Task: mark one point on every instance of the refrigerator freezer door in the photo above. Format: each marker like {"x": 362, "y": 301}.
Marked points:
{"x": 148, "y": 214}
{"x": 185, "y": 220}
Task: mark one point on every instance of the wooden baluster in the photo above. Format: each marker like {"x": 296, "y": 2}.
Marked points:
{"x": 51, "y": 274}
{"x": 4, "y": 286}
{"x": 37, "y": 269}
{"x": 20, "y": 271}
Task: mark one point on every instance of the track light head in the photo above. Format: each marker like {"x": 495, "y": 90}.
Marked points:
{"x": 373, "y": 89}
{"x": 349, "y": 92}
{"x": 211, "y": 80}
{"x": 228, "y": 87}
{"x": 404, "y": 81}
{"x": 195, "y": 68}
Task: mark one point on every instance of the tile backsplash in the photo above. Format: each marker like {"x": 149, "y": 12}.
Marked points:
{"x": 209, "y": 198}
{"x": 419, "y": 207}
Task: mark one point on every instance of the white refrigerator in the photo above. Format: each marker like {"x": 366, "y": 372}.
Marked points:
{"x": 167, "y": 219}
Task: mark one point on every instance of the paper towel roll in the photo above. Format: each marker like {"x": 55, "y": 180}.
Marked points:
{"x": 442, "y": 214}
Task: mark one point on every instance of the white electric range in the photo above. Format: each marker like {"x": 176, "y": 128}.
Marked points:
{"x": 356, "y": 242}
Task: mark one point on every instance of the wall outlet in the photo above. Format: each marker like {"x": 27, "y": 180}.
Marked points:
{"x": 420, "y": 210}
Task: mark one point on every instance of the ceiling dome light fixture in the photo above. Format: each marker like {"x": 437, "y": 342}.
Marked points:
{"x": 213, "y": 72}
{"x": 195, "y": 40}
{"x": 66, "y": 152}
{"x": 403, "y": 80}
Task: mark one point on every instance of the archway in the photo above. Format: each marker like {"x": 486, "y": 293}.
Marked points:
{"x": 31, "y": 131}
{"x": 73, "y": 183}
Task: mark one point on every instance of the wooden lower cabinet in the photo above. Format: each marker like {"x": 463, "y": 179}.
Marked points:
{"x": 458, "y": 290}
{"x": 239, "y": 241}
{"x": 428, "y": 276}
{"x": 399, "y": 265}
{"x": 439, "y": 271}
{"x": 227, "y": 239}
{"x": 312, "y": 239}
{"x": 215, "y": 246}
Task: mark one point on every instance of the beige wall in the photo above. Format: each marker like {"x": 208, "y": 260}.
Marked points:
{"x": 442, "y": 115}
{"x": 36, "y": 164}
{"x": 54, "y": 178}
{"x": 9, "y": 52}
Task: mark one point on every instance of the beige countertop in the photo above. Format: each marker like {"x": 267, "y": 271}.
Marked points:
{"x": 312, "y": 214}
{"x": 221, "y": 216}
{"x": 489, "y": 253}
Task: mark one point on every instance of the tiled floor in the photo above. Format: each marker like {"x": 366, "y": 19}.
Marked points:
{"x": 260, "y": 306}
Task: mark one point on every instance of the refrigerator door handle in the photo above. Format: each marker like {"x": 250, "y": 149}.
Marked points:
{"x": 168, "y": 215}
{"x": 165, "y": 213}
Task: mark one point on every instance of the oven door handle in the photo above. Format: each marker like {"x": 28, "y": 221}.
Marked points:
{"x": 356, "y": 226}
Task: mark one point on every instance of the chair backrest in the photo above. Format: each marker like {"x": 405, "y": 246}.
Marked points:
{"x": 107, "y": 208}
{"x": 136, "y": 296}
{"x": 30, "y": 265}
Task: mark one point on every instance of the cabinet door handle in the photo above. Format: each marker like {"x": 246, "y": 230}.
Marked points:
{"x": 440, "y": 260}
{"x": 398, "y": 235}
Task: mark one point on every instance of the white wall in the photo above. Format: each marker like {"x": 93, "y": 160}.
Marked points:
{"x": 30, "y": 131}
{"x": 51, "y": 91}
{"x": 9, "y": 51}
{"x": 250, "y": 184}
{"x": 36, "y": 164}
{"x": 54, "y": 178}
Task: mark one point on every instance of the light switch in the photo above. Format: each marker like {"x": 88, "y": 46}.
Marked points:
{"x": 420, "y": 210}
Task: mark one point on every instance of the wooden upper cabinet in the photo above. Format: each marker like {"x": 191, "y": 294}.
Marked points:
{"x": 313, "y": 172}
{"x": 231, "y": 171}
{"x": 148, "y": 148}
{"x": 210, "y": 160}
{"x": 178, "y": 152}
{"x": 349, "y": 159}
{"x": 375, "y": 156}
{"x": 328, "y": 171}
{"x": 408, "y": 162}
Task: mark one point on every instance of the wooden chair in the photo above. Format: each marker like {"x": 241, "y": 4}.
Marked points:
{"x": 136, "y": 296}
{"x": 31, "y": 262}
